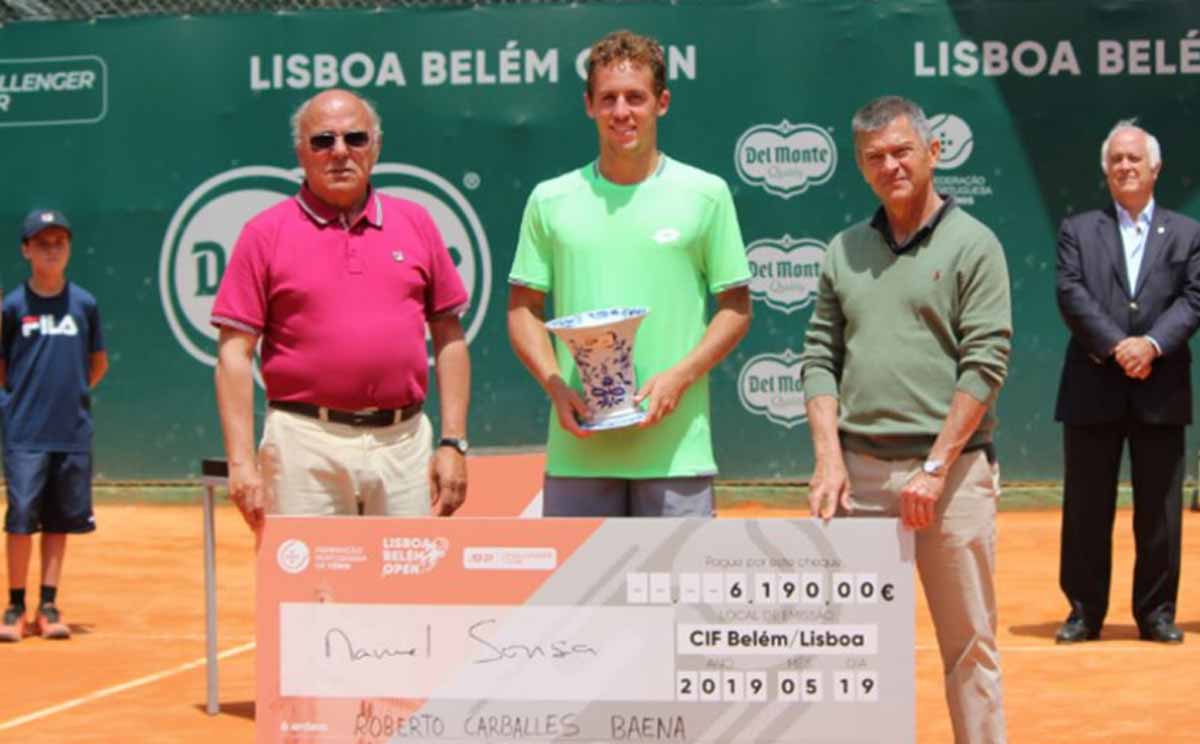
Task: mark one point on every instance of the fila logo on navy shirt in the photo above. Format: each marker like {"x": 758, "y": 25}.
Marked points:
{"x": 45, "y": 325}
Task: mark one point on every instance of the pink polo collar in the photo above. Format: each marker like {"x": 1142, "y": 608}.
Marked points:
{"x": 323, "y": 214}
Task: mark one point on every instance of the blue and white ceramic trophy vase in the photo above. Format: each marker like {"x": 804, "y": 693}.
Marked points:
{"x": 601, "y": 341}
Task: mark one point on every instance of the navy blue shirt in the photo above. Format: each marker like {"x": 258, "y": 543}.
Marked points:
{"x": 48, "y": 343}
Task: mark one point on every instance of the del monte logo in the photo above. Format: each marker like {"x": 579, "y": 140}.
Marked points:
{"x": 202, "y": 232}
{"x": 770, "y": 385}
{"x": 785, "y": 272}
{"x": 785, "y": 159}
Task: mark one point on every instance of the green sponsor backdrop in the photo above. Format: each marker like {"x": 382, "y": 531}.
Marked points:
{"x": 159, "y": 136}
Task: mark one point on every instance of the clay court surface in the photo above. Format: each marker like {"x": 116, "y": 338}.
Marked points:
{"x": 134, "y": 670}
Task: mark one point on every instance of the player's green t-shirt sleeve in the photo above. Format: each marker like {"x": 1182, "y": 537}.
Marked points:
{"x": 533, "y": 263}
{"x": 724, "y": 252}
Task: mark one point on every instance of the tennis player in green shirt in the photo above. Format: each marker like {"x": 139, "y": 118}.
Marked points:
{"x": 632, "y": 228}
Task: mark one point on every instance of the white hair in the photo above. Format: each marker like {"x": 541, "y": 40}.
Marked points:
{"x": 1152, "y": 148}
{"x": 302, "y": 109}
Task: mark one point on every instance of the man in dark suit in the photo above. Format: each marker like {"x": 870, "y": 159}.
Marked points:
{"x": 1128, "y": 284}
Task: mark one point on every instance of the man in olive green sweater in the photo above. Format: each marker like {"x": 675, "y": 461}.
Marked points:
{"x": 904, "y": 356}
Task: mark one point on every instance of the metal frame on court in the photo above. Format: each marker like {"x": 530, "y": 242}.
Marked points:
{"x": 213, "y": 473}
{"x": 1196, "y": 485}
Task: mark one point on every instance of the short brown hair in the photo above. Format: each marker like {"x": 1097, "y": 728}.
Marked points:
{"x": 626, "y": 45}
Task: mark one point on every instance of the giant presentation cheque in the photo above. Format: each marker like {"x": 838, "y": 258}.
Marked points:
{"x": 768, "y": 631}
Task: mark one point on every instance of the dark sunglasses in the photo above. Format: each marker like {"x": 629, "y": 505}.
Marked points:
{"x": 326, "y": 140}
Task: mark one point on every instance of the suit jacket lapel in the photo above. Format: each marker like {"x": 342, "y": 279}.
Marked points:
{"x": 1152, "y": 253}
{"x": 1110, "y": 237}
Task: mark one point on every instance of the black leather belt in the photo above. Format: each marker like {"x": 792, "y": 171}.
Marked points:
{"x": 989, "y": 451}
{"x": 367, "y": 417}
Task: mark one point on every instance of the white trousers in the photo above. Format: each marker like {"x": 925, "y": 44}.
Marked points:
{"x": 323, "y": 468}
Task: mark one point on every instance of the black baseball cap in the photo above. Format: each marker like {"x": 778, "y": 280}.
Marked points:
{"x": 40, "y": 219}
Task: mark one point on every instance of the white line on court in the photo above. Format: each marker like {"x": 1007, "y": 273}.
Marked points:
{"x": 115, "y": 689}
{"x": 1057, "y": 649}
{"x": 171, "y": 637}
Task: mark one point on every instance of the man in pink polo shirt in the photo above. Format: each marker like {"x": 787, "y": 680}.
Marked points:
{"x": 339, "y": 282}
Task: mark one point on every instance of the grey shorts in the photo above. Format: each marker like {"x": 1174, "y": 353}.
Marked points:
{"x": 625, "y": 497}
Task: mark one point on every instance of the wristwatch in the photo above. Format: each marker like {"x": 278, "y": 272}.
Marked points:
{"x": 459, "y": 444}
{"x": 934, "y": 467}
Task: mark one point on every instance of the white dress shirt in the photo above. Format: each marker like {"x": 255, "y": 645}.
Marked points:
{"x": 1134, "y": 232}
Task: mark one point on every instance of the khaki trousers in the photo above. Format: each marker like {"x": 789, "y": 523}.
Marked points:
{"x": 956, "y": 557}
{"x": 319, "y": 467}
